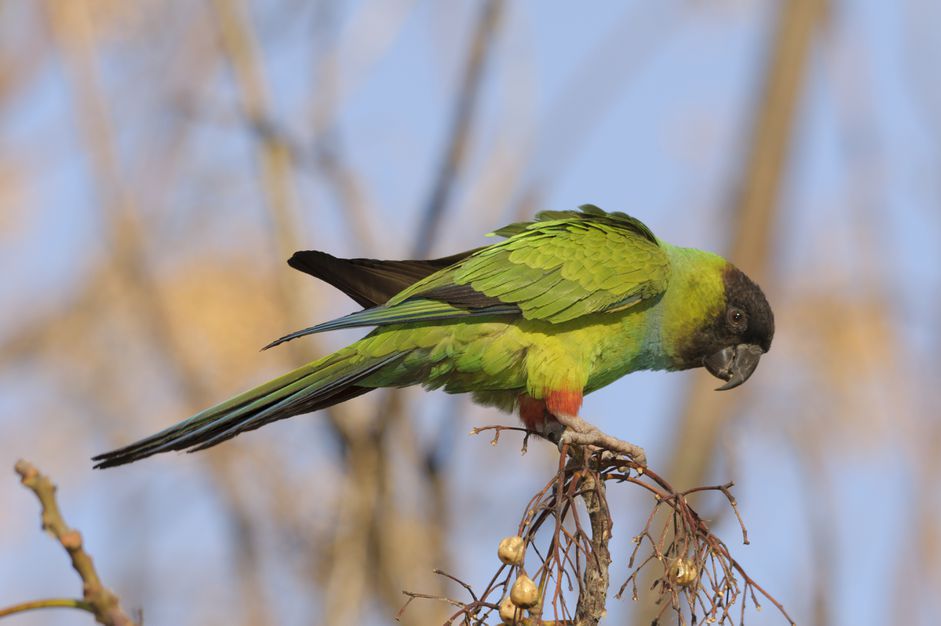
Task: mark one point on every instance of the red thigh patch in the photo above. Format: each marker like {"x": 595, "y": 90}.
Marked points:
{"x": 564, "y": 401}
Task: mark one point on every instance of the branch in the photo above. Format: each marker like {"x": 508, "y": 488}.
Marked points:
{"x": 97, "y": 599}
{"x": 51, "y": 603}
{"x": 593, "y": 596}
{"x": 694, "y": 574}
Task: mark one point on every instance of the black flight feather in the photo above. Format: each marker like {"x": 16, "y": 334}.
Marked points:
{"x": 370, "y": 282}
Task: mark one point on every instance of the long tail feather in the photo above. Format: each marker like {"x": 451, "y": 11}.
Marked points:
{"x": 309, "y": 388}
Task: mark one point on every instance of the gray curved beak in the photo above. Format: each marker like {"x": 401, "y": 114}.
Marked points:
{"x": 734, "y": 364}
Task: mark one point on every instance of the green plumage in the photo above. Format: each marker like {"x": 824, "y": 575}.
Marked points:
{"x": 571, "y": 301}
{"x": 565, "y": 266}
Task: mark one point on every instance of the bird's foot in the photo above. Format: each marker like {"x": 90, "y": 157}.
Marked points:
{"x": 579, "y": 432}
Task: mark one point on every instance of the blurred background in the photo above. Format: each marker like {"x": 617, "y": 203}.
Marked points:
{"x": 161, "y": 159}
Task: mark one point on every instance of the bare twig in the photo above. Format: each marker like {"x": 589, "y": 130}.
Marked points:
{"x": 97, "y": 599}
{"x": 49, "y": 603}
{"x": 697, "y": 575}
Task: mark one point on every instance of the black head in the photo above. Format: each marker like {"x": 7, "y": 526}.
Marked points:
{"x": 731, "y": 345}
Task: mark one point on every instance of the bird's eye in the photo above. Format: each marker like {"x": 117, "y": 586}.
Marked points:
{"x": 737, "y": 319}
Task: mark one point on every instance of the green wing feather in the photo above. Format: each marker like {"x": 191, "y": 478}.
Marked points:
{"x": 563, "y": 266}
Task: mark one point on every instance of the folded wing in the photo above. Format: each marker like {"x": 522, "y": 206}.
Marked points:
{"x": 563, "y": 266}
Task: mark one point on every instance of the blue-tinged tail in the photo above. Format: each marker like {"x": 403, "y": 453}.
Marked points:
{"x": 315, "y": 386}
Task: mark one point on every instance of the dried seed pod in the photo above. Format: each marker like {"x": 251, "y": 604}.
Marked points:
{"x": 682, "y": 572}
{"x": 512, "y": 550}
{"x": 509, "y": 612}
{"x": 524, "y": 592}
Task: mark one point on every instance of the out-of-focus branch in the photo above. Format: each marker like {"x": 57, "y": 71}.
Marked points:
{"x": 705, "y": 411}
{"x": 373, "y": 520}
{"x": 274, "y": 153}
{"x": 97, "y": 599}
{"x": 71, "y": 24}
{"x": 623, "y": 50}
{"x": 390, "y": 419}
{"x": 369, "y": 30}
{"x": 275, "y": 159}
{"x": 348, "y": 189}
{"x": 820, "y": 509}
{"x": 458, "y": 137}
{"x": 752, "y": 219}
{"x": 375, "y": 516}
{"x": 348, "y": 578}
{"x": 19, "y": 60}
{"x": 329, "y": 157}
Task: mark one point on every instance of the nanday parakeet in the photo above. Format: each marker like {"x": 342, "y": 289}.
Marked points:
{"x": 565, "y": 305}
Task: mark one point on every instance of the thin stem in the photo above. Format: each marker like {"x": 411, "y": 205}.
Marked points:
{"x": 49, "y": 603}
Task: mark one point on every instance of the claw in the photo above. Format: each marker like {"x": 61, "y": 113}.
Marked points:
{"x": 580, "y": 432}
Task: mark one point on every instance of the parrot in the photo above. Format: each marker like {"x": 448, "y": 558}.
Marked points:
{"x": 563, "y": 305}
